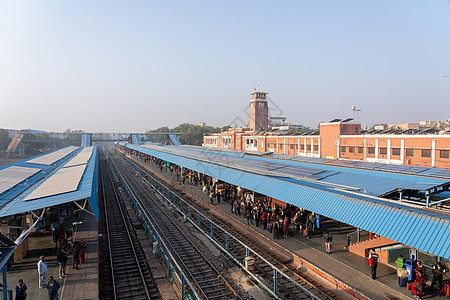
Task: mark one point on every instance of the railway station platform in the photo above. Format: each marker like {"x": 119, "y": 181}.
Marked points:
{"x": 78, "y": 284}
{"x": 342, "y": 266}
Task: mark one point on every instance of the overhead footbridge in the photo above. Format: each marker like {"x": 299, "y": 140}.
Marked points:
{"x": 349, "y": 194}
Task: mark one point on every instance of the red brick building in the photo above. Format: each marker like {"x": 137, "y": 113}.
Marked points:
{"x": 338, "y": 139}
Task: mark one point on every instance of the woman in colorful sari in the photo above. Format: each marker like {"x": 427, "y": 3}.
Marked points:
{"x": 418, "y": 288}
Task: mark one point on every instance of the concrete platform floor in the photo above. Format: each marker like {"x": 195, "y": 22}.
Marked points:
{"x": 78, "y": 284}
{"x": 347, "y": 267}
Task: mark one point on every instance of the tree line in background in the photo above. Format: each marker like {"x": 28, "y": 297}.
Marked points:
{"x": 191, "y": 134}
{"x": 38, "y": 143}
{"x": 4, "y": 139}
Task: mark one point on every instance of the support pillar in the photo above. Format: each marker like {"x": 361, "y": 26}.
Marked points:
{"x": 275, "y": 283}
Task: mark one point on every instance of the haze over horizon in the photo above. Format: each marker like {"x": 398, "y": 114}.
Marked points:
{"x": 110, "y": 66}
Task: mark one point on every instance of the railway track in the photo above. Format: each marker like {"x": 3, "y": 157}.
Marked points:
{"x": 264, "y": 262}
{"x": 208, "y": 281}
{"x": 124, "y": 272}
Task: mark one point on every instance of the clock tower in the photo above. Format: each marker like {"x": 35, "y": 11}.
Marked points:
{"x": 258, "y": 111}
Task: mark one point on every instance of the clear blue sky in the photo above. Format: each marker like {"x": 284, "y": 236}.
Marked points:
{"x": 136, "y": 65}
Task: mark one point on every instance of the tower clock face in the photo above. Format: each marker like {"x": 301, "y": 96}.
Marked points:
{"x": 261, "y": 105}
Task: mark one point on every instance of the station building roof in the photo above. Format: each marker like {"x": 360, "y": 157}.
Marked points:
{"x": 352, "y": 199}
{"x": 14, "y": 199}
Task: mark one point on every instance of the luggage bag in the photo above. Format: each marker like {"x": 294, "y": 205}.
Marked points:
{"x": 402, "y": 281}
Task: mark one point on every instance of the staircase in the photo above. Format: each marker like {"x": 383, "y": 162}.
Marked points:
{"x": 15, "y": 148}
{"x": 136, "y": 140}
{"x": 174, "y": 140}
{"x": 86, "y": 140}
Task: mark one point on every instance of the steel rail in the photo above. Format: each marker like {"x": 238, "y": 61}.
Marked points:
{"x": 217, "y": 226}
{"x": 109, "y": 238}
{"x": 155, "y": 202}
{"x": 126, "y": 223}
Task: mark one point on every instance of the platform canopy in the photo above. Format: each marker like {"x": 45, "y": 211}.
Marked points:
{"x": 62, "y": 176}
{"x": 348, "y": 200}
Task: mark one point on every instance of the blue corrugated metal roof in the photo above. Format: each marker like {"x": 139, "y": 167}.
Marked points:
{"x": 85, "y": 190}
{"x": 21, "y": 187}
{"x": 370, "y": 181}
{"x": 422, "y": 229}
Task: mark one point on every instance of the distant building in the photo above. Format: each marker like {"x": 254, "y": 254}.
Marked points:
{"x": 405, "y": 126}
{"x": 407, "y": 143}
{"x": 279, "y": 123}
{"x": 275, "y": 121}
{"x": 379, "y": 127}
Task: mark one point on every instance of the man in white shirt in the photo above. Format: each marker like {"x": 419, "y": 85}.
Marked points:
{"x": 42, "y": 270}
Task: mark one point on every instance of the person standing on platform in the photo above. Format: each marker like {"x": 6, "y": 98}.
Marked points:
{"x": 21, "y": 290}
{"x": 42, "y": 270}
{"x": 328, "y": 240}
{"x": 256, "y": 216}
{"x": 52, "y": 288}
{"x": 264, "y": 219}
{"x": 76, "y": 255}
{"x": 69, "y": 232}
{"x": 286, "y": 226}
{"x": 54, "y": 227}
{"x": 373, "y": 263}
{"x": 83, "y": 248}
{"x": 418, "y": 288}
{"x": 276, "y": 230}
{"x": 211, "y": 197}
{"x": 248, "y": 213}
{"x": 308, "y": 229}
{"x": 218, "y": 195}
{"x": 237, "y": 208}
{"x": 61, "y": 258}
{"x": 438, "y": 275}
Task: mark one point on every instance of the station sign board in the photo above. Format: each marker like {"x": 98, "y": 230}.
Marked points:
{"x": 64, "y": 213}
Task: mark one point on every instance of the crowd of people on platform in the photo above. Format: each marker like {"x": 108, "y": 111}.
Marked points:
{"x": 65, "y": 245}
{"x": 279, "y": 220}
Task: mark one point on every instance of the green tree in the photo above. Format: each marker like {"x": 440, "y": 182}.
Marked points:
{"x": 4, "y": 139}
{"x": 191, "y": 134}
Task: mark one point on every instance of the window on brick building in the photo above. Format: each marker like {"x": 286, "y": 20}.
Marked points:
{"x": 426, "y": 153}
{"x": 371, "y": 150}
{"x": 360, "y": 149}
{"x": 302, "y": 147}
{"x": 443, "y": 153}
{"x": 316, "y": 147}
{"x": 308, "y": 147}
{"x": 351, "y": 149}
{"x": 280, "y": 146}
{"x": 292, "y": 146}
{"x": 395, "y": 151}
{"x": 343, "y": 148}
{"x": 409, "y": 152}
{"x": 383, "y": 151}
